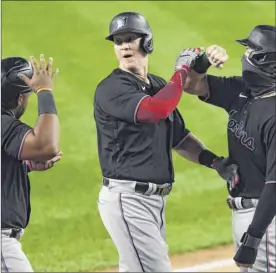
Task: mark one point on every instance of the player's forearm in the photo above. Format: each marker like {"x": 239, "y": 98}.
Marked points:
{"x": 196, "y": 84}
{"x": 192, "y": 148}
{"x": 265, "y": 211}
{"x": 153, "y": 109}
{"x": 46, "y": 129}
{"x": 41, "y": 143}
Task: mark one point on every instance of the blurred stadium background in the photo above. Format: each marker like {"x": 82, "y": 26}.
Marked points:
{"x": 65, "y": 232}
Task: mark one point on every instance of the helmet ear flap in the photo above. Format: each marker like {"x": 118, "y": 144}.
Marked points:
{"x": 147, "y": 43}
{"x": 11, "y": 85}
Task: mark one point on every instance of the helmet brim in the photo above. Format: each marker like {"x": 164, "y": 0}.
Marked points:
{"x": 243, "y": 42}
{"x": 124, "y": 30}
{"x": 247, "y": 42}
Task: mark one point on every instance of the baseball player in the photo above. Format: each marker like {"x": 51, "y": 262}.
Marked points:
{"x": 138, "y": 125}
{"x": 24, "y": 149}
{"x": 250, "y": 102}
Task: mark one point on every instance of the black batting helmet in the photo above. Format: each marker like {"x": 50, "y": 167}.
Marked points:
{"x": 11, "y": 85}
{"x": 132, "y": 22}
{"x": 262, "y": 46}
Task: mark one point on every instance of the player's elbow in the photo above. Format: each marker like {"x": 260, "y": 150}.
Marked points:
{"x": 47, "y": 149}
{"x": 35, "y": 149}
{"x": 50, "y": 151}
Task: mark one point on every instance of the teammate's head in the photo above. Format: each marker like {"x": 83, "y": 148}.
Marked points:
{"x": 14, "y": 92}
{"x": 259, "y": 59}
{"x": 261, "y": 48}
{"x": 132, "y": 39}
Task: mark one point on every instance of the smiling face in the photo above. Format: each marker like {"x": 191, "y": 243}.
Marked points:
{"x": 128, "y": 51}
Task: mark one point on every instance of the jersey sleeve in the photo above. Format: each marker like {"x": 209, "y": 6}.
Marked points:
{"x": 266, "y": 208}
{"x": 224, "y": 91}
{"x": 270, "y": 147}
{"x": 119, "y": 98}
{"x": 179, "y": 129}
{"x": 13, "y": 133}
{"x": 265, "y": 211}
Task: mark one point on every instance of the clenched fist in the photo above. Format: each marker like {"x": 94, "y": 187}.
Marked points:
{"x": 217, "y": 55}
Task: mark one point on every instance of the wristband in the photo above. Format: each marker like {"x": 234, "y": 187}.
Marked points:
{"x": 206, "y": 158}
{"x": 46, "y": 103}
{"x": 250, "y": 241}
{"x": 43, "y": 89}
{"x": 202, "y": 64}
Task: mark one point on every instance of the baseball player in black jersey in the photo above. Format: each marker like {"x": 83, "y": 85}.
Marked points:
{"x": 138, "y": 125}
{"x": 23, "y": 149}
{"x": 250, "y": 101}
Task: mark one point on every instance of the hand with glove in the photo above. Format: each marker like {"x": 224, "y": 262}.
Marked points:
{"x": 226, "y": 170}
{"x": 247, "y": 252}
{"x": 186, "y": 59}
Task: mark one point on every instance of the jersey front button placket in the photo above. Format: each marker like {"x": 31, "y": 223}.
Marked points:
{"x": 245, "y": 109}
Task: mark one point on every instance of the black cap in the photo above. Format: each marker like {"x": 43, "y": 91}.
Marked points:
{"x": 261, "y": 38}
{"x": 11, "y": 85}
{"x": 128, "y": 22}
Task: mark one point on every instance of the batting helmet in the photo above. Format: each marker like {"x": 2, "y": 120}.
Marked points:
{"x": 132, "y": 22}
{"x": 11, "y": 85}
{"x": 262, "y": 46}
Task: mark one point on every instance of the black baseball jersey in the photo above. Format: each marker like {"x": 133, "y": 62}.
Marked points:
{"x": 251, "y": 132}
{"x": 15, "y": 186}
{"x": 127, "y": 149}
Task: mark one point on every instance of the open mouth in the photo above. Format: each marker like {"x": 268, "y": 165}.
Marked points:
{"x": 128, "y": 56}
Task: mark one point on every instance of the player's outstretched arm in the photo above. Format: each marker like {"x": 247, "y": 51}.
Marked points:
{"x": 41, "y": 143}
{"x": 196, "y": 82}
{"x": 266, "y": 208}
{"x": 194, "y": 150}
{"x": 153, "y": 109}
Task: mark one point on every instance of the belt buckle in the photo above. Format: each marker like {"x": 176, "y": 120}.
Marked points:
{"x": 164, "y": 189}
{"x": 231, "y": 203}
{"x": 15, "y": 233}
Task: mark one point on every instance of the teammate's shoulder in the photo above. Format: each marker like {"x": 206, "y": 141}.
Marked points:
{"x": 230, "y": 79}
{"x": 9, "y": 123}
{"x": 6, "y": 118}
{"x": 267, "y": 101}
{"x": 268, "y": 106}
{"x": 116, "y": 77}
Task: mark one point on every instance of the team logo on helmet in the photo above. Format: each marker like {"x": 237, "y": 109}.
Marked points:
{"x": 121, "y": 22}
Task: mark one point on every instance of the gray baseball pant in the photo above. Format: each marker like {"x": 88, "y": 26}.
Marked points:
{"x": 13, "y": 258}
{"x": 136, "y": 224}
{"x": 266, "y": 259}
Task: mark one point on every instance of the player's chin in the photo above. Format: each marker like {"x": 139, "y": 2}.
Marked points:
{"x": 132, "y": 66}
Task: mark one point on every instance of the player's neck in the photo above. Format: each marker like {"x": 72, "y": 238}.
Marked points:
{"x": 141, "y": 73}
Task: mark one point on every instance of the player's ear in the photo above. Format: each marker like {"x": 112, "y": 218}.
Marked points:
{"x": 20, "y": 100}
{"x": 142, "y": 51}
